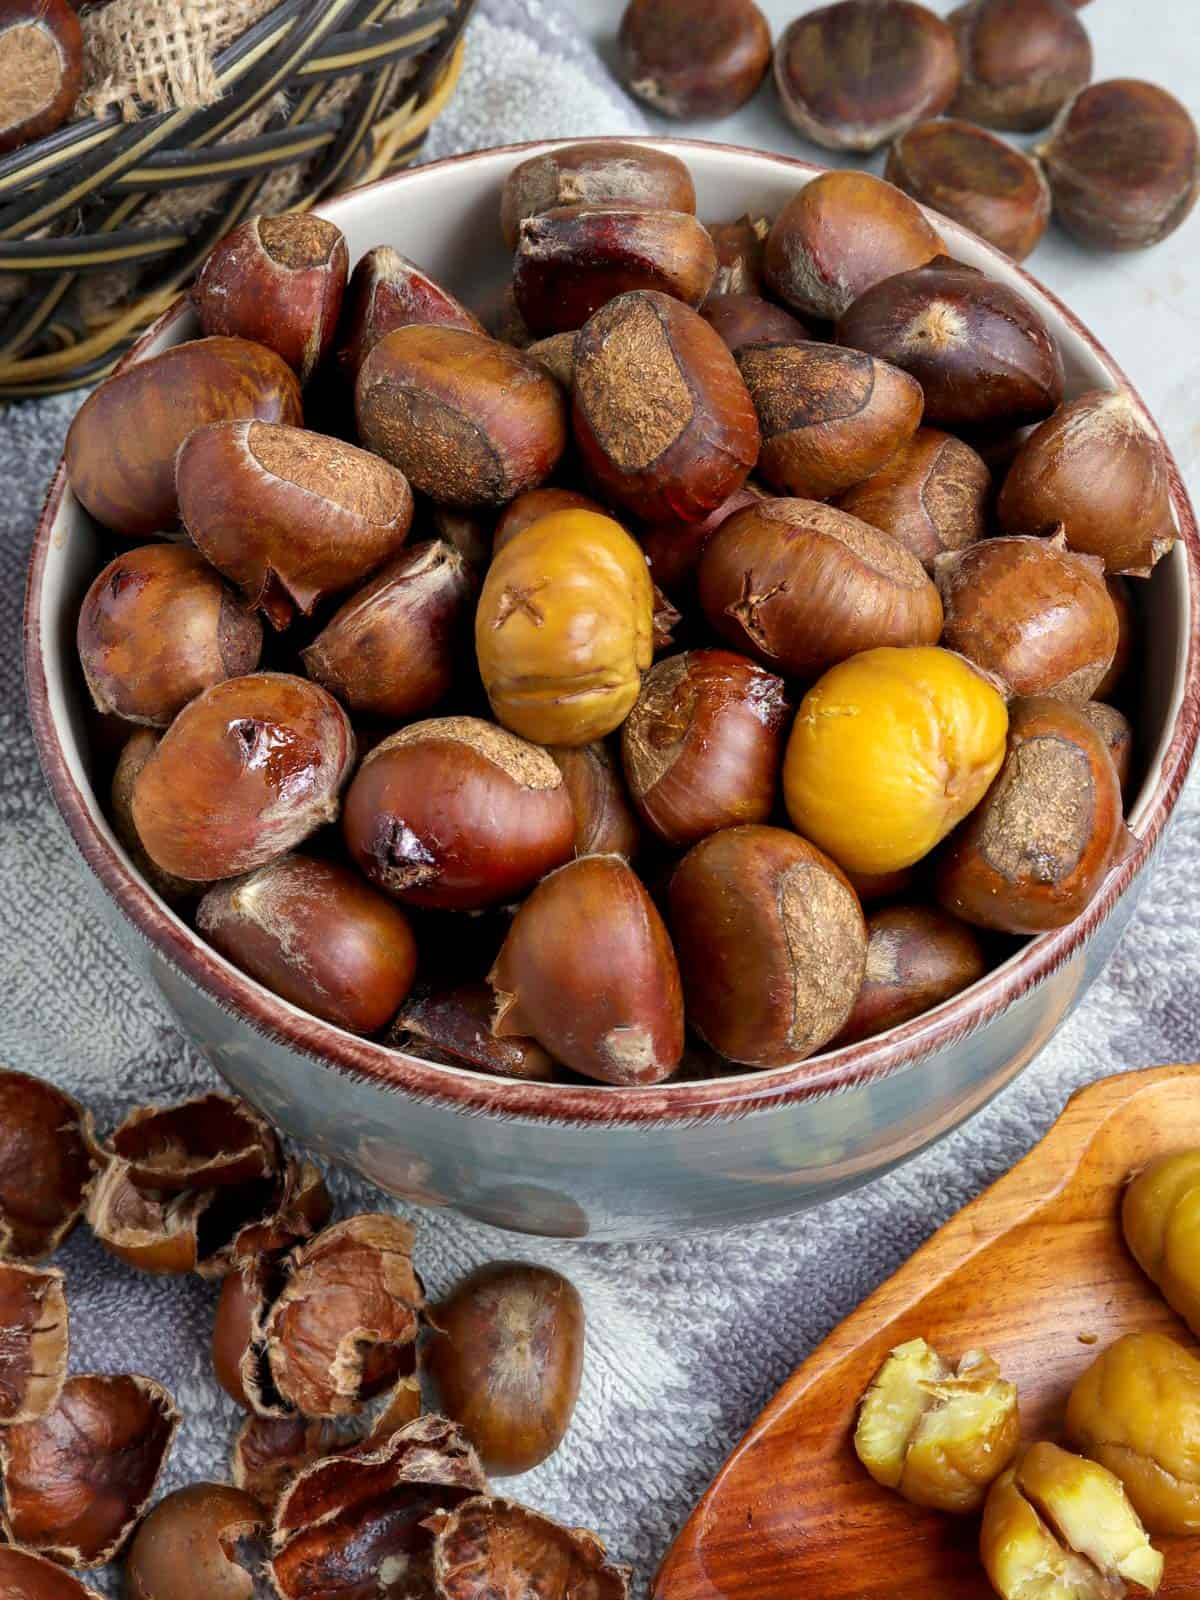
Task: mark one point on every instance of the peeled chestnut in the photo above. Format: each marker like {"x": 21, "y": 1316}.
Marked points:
{"x": 662, "y": 417}
{"x": 1117, "y": 732}
{"x": 593, "y": 173}
{"x": 799, "y": 585}
{"x": 314, "y": 933}
{"x": 457, "y": 814}
{"x": 34, "y": 1348}
{"x": 743, "y": 319}
{"x": 506, "y": 1362}
{"x": 703, "y": 746}
{"x": 391, "y": 650}
{"x": 279, "y": 281}
{"x": 187, "y": 1547}
{"x": 855, "y": 74}
{"x": 932, "y": 496}
{"x": 48, "y": 1160}
{"x": 604, "y": 821}
{"x": 1035, "y": 851}
{"x": 829, "y": 417}
{"x": 454, "y": 1025}
{"x": 693, "y": 58}
{"x": 519, "y": 1550}
{"x": 1097, "y": 470}
{"x": 980, "y": 351}
{"x": 469, "y": 421}
{"x": 673, "y": 548}
{"x": 1123, "y": 164}
{"x": 588, "y": 971}
{"x": 41, "y": 69}
{"x": 388, "y": 291}
{"x": 843, "y": 233}
{"x": 535, "y": 504}
{"x": 917, "y": 957}
{"x": 245, "y": 772}
{"x": 121, "y": 448}
{"x": 974, "y": 178}
{"x": 156, "y": 628}
{"x": 739, "y": 245}
{"x": 574, "y": 260}
{"x": 1031, "y": 612}
{"x": 760, "y": 911}
{"x": 1021, "y": 61}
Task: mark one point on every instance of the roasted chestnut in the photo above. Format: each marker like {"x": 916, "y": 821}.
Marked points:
{"x": 388, "y": 291}
{"x": 41, "y": 72}
{"x": 1117, "y": 732}
{"x": 48, "y": 1162}
{"x": 594, "y": 172}
{"x": 673, "y": 548}
{"x": 917, "y": 956}
{"x": 1021, "y": 61}
{"x": 739, "y": 245}
{"x": 689, "y": 59}
{"x": 187, "y": 1547}
{"x": 604, "y": 821}
{"x": 557, "y": 354}
{"x": 743, "y": 319}
{"x": 454, "y": 1025}
{"x": 761, "y": 911}
{"x": 34, "y": 1349}
{"x": 486, "y": 1543}
{"x": 532, "y": 506}
{"x": 932, "y": 496}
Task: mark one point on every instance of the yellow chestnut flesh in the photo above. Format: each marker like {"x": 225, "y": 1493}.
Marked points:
{"x": 1161, "y": 1217}
{"x": 890, "y": 751}
{"x": 937, "y": 1436}
{"x": 564, "y": 628}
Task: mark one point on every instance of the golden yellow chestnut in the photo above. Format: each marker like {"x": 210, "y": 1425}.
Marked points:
{"x": 890, "y": 750}
{"x": 1161, "y": 1216}
{"x": 564, "y": 629}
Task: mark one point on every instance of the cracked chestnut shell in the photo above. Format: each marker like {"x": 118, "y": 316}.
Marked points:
{"x": 187, "y": 1547}
{"x": 26, "y": 1576}
{"x": 693, "y": 58}
{"x": 604, "y": 820}
{"x": 35, "y": 1343}
{"x": 48, "y": 1163}
{"x": 245, "y": 773}
{"x": 314, "y": 933}
{"x": 703, "y": 746}
{"x": 211, "y": 1141}
{"x": 739, "y": 245}
{"x": 457, "y": 814}
{"x": 1033, "y": 853}
{"x": 454, "y": 1025}
{"x": 932, "y": 496}
{"x": 488, "y": 1546}
{"x": 917, "y": 957}
{"x": 269, "y": 1452}
{"x": 588, "y": 971}
{"x": 801, "y": 586}
{"x": 239, "y": 1337}
{"x": 42, "y": 70}
{"x": 121, "y": 449}
{"x": 1021, "y": 61}
{"x": 506, "y": 1362}
{"x": 593, "y": 173}
{"x": 388, "y": 291}
{"x": 157, "y": 628}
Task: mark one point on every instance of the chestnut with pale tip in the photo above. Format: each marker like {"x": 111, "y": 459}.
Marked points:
{"x": 388, "y": 291}
{"x": 595, "y": 172}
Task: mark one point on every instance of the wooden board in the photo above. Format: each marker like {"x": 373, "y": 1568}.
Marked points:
{"x": 1035, "y": 1271}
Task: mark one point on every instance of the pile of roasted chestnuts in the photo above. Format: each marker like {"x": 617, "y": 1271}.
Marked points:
{"x": 714, "y": 630}
{"x": 340, "y": 1482}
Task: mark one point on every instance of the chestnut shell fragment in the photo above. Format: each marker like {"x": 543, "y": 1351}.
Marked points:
{"x": 269, "y": 1452}
{"x": 34, "y": 1341}
{"x": 208, "y": 1142}
{"x": 490, "y": 1547}
{"x": 26, "y": 1576}
{"x": 48, "y": 1162}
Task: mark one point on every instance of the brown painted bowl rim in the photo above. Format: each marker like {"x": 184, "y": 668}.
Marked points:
{"x": 670, "y": 1103}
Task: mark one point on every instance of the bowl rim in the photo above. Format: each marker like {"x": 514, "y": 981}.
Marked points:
{"x": 597, "y": 1105}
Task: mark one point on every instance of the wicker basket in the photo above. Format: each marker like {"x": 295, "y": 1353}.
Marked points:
{"x": 70, "y": 204}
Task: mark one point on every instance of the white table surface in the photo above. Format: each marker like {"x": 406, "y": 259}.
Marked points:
{"x": 1144, "y": 306}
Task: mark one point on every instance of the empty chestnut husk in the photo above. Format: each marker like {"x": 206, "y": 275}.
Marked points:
{"x": 388, "y": 291}
{"x": 932, "y": 496}
{"x": 1021, "y": 61}
{"x": 689, "y": 59}
{"x": 269, "y": 1452}
{"x": 594, "y": 172}
{"x": 42, "y": 70}
{"x": 35, "y": 1345}
{"x": 489, "y": 1545}
{"x": 454, "y": 1025}
{"x": 604, "y": 820}
{"x": 917, "y": 957}
{"x": 49, "y": 1157}
{"x": 187, "y": 1548}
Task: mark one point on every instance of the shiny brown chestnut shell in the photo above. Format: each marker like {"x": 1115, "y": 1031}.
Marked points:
{"x": 592, "y": 173}
{"x": 703, "y": 746}
{"x": 588, "y": 970}
{"x": 604, "y": 820}
{"x": 743, "y": 319}
{"x": 1127, "y": 632}
{"x": 693, "y": 58}
{"x": 26, "y": 1576}
{"x": 800, "y": 586}
{"x": 151, "y": 1233}
{"x": 535, "y": 504}
{"x": 489, "y": 1546}
{"x": 42, "y": 71}
{"x": 855, "y": 74}
{"x": 35, "y": 1345}
{"x": 662, "y": 417}
{"x": 673, "y": 548}
{"x": 137, "y": 750}
{"x": 388, "y": 291}
{"x": 48, "y": 1163}
{"x": 211, "y": 1141}
{"x": 454, "y": 1025}
{"x": 917, "y": 957}
{"x": 188, "y": 1546}
{"x": 1021, "y": 61}
{"x": 1035, "y": 851}
{"x": 739, "y": 245}
{"x": 269, "y": 1452}
{"x": 932, "y": 496}
{"x": 245, "y": 773}
{"x": 1032, "y": 613}
{"x": 1116, "y": 730}
{"x": 506, "y": 1360}
{"x": 239, "y": 1338}
{"x": 121, "y": 448}
{"x": 978, "y": 349}
{"x": 760, "y": 911}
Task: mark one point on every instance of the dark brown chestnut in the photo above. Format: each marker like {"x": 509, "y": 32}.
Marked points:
{"x": 978, "y": 349}
{"x": 35, "y": 1345}
{"x": 278, "y": 281}
{"x": 587, "y": 969}
{"x": 604, "y": 821}
{"x": 457, "y": 814}
{"x": 594, "y": 172}
{"x": 703, "y": 746}
{"x": 187, "y": 1548}
{"x": 244, "y": 774}
{"x": 454, "y": 1025}
{"x": 388, "y": 291}
{"x": 1021, "y": 61}
{"x": 917, "y": 956}
{"x": 740, "y": 246}
{"x": 26, "y": 1576}
{"x": 506, "y": 1361}
{"x": 48, "y": 1162}
{"x": 855, "y": 74}
{"x": 1117, "y": 732}
{"x": 932, "y": 496}
{"x": 743, "y": 319}
{"x": 760, "y": 911}
{"x": 470, "y": 533}
{"x": 41, "y": 69}
{"x": 673, "y": 548}
{"x": 693, "y": 58}
{"x": 535, "y": 504}
{"x": 487, "y": 1545}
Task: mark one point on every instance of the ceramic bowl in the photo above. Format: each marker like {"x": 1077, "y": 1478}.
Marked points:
{"x": 598, "y": 1162}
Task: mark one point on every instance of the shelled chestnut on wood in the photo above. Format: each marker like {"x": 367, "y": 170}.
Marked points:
{"x": 594, "y": 173}
{"x": 1021, "y": 61}
{"x": 1031, "y": 612}
{"x": 662, "y": 417}
{"x": 392, "y": 648}
{"x": 829, "y": 417}
{"x": 917, "y": 957}
{"x": 573, "y": 260}
{"x": 604, "y": 821}
{"x": 743, "y": 319}
{"x": 506, "y": 1361}
{"x": 457, "y": 814}
{"x": 35, "y": 1346}
{"x": 932, "y": 496}
{"x": 799, "y": 586}
{"x": 842, "y": 234}
{"x": 703, "y": 746}
{"x": 290, "y": 516}
{"x": 279, "y": 281}
{"x": 469, "y": 421}
{"x": 314, "y": 933}
{"x": 693, "y": 58}
{"x": 41, "y": 69}
{"x": 1123, "y": 164}
{"x": 156, "y": 628}
{"x": 121, "y": 448}
{"x": 1097, "y": 470}
{"x": 48, "y": 1161}
{"x": 1035, "y": 851}
{"x": 1115, "y": 729}
{"x": 855, "y": 74}
{"x": 759, "y": 911}
{"x": 187, "y": 1548}
{"x": 454, "y": 1025}
{"x": 588, "y": 970}
{"x": 978, "y": 349}
{"x": 388, "y": 291}
{"x": 740, "y": 245}
{"x": 245, "y": 773}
